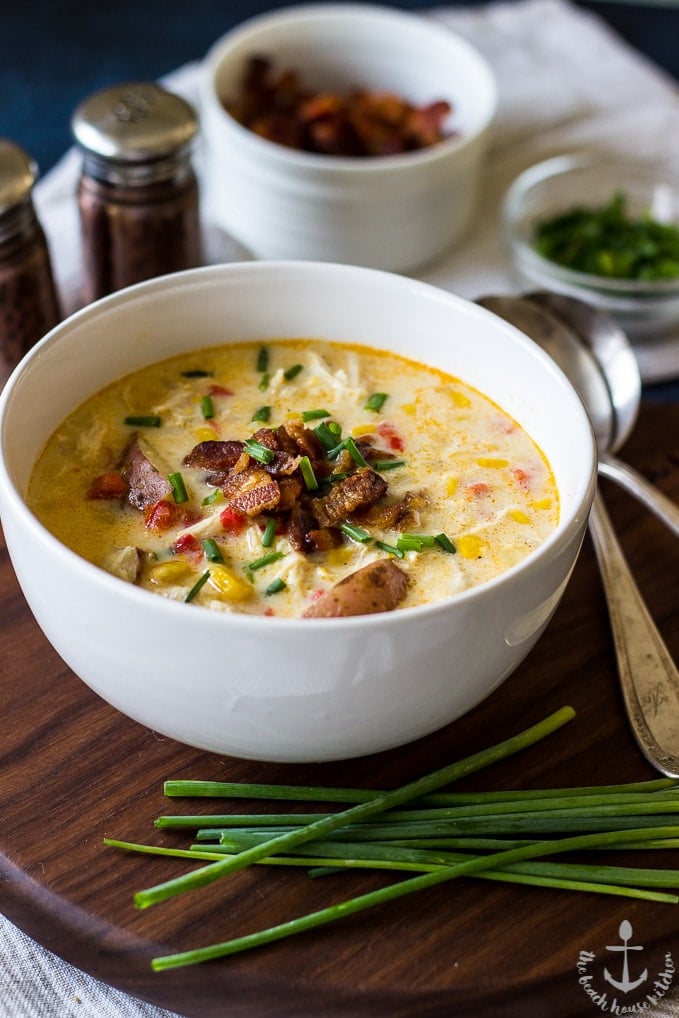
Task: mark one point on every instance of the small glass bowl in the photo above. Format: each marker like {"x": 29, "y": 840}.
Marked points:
{"x": 642, "y": 308}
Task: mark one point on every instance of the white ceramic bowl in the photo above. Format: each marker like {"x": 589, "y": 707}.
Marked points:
{"x": 390, "y": 212}
{"x": 641, "y": 307}
{"x": 289, "y": 689}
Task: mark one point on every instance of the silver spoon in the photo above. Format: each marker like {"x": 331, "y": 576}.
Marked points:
{"x": 648, "y": 676}
{"x": 613, "y": 408}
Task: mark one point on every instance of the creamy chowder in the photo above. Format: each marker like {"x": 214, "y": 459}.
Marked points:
{"x": 296, "y": 478}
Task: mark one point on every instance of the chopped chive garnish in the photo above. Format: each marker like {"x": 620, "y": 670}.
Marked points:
{"x": 391, "y": 549}
{"x": 415, "y": 542}
{"x": 264, "y": 382}
{"x": 212, "y": 551}
{"x": 314, "y": 415}
{"x": 196, "y": 373}
{"x": 349, "y": 444}
{"x": 269, "y": 532}
{"x": 262, "y": 413}
{"x": 263, "y": 359}
{"x": 444, "y": 542}
{"x": 207, "y": 407}
{"x": 308, "y": 474}
{"x": 265, "y": 560}
{"x": 354, "y": 452}
{"x": 292, "y": 372}
{"x": 179, "y": 492}
{"x": 216, "y": 496}
{"x": 388, "y": 464}
{"x": 275, "y": 587}
{"x": 376, "y": 401}
{"x": 355, "y": 533}
{"x": 200, "y": 582}
{"x": 327, "y": 435}
{"x": 144, "y": 420}
{"x": 258, "y": 451}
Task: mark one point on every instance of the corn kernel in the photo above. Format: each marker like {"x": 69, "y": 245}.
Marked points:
{"x": 227, "y": 585}
{"x": 339, "y": 556}
{"x": 409, "y": 408}
{"x": 542, "y": 503}
{"x": 492, "y": 462}
{"x": 173, "y": 571}
{"x": 451, "y": 485}
{"x": 519, "y": 516}
{"x": 459, "y": 399}
{"x": 363, "y": 429}
{"x": 470, "y": 546}
{"x": 205, "y": 435}
{"x": 293, "y": 415}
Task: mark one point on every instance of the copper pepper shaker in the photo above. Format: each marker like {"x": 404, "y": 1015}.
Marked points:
{"x": 29, "y": 306}
{"x": 137, "y": 193}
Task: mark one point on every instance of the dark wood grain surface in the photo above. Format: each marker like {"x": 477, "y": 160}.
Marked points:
{"x": 74, "y": 771}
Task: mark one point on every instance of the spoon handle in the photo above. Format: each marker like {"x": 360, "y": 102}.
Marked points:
{"x": 649, "y": 677}
{"x": 628, "y": 478}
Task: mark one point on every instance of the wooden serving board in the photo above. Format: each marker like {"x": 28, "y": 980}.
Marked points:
{"x": 75, "y": 771}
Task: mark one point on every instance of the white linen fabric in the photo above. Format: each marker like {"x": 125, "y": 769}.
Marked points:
{"x": 566, "y": 82}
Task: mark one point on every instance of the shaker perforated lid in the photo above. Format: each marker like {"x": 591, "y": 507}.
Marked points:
{"x": 134, "y": 123}
{"x": 18, "y": 174}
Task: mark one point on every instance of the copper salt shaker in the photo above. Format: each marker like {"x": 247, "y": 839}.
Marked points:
{"x": 29, "y": 306}
{"x": 137, "y": 193}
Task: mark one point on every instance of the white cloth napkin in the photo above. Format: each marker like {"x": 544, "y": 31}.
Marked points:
{"x": 565, "y": 82}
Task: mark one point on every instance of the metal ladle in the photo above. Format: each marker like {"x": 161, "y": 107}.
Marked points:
{"x": 649, "y": 678}
{"x": 606, "y": 374}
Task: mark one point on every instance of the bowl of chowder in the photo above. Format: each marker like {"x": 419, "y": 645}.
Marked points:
{"x": 292, "y": 511}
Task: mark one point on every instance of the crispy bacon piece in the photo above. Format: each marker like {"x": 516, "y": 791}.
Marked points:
{"x": 378, "y": 587}
{"x": 251, "y": 491}
{"x": 147, "y": 485}
{"x": 403, "y": 515}
{"x": 362, "y": 488}
{"x": 305, "y": 536}
{"x": 214, "y": 455}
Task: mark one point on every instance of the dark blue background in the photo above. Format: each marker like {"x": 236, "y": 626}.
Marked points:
{"x": 55, "y": 52}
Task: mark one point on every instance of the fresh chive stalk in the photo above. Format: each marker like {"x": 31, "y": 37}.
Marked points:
{"x": 308, "y": 475}
{"x": 264, "y": 382}
{"x": 198, "y": 586}
{"x": 216, "y": 496}
{"x": 292, "y": 372}
{"x": 444, "y": 542}
{"x": 258, "y": 451}
{"x": 262, "y": 414}
{"x": 415, "y": 542}
{"x": 394, "y": 464}
{"x": 179, "y": 492}
{"x": 355, "y": 533}
{"x": 276, "y": 586}
{"x": 328, "y": 434}
{"x": 391, "y": 549}
{"x": 144, "y": 420}
{"x": 212, "y": 550}
{"x": 314, "y": 415}
{"x": 207, "y": 407}
{"x": 412, "y": 790}
{"x": 263, "y": 359}
{"x": 196, "y": 373}
{"x": 376, "y": 401}
{"x": 265, "y": 560}
{"x": 312, "y": 920}
{"x": 269, "y": 532}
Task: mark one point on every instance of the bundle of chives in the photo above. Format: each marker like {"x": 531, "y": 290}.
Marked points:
{"x": 440, "y": 836}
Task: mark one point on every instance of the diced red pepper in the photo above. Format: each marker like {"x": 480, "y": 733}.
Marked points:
{"x": 162, "y": 516}
{"x": 109, "y": 485}
{"x": 186, "y": 544}
{"x": 389, "y": 433}
{"x": 478, "y": 490}
{"x": 231, "y": 520}
{"x": 521, "y": 477}
{"x": 219, "y": 390}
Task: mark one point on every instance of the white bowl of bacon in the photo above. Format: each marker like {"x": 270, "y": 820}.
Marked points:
{"x": 292, "y": 551}
{"x": 345, "y": 132}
